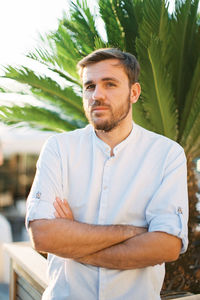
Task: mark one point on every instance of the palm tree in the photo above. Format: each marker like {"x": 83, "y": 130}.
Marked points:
{"x": 168, "y": 48}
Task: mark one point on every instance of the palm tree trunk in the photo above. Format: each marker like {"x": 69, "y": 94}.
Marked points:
{"x": 184, "y": 274}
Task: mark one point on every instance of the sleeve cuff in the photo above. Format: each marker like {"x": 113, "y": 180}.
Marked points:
{"x": 39, "y": 210}
{"x": 173, "y": 224}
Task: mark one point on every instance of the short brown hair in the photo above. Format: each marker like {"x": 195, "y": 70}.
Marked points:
{"x": 127, "y": 60}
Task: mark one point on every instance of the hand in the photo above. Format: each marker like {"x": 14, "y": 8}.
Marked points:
{"x": 140, "y": 230}
{"x": 63, "y": 209}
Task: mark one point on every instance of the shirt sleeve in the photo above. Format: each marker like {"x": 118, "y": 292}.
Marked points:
{"x": 167, "y": 211}
{"x": 47, "y": 184}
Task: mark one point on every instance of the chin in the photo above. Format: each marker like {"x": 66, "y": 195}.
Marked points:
{"x": 98, "y": 122}
{"x": 106, "y": 127}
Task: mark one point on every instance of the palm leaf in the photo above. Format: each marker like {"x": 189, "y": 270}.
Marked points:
{"x": 184, "y": 39}
{"x": 67, "y": 77}
{"x": 2, "y": 90}
{"x": 156, "y": 92}
{"x": 140, "y": 116}
{"x": 81, "y": 27}
{"x": 126, "y": 15}
{"x": 44, "y": 53}
{"x": 190, "y": 123}
{"x": 195, "y": 151}
{"x": 192, "y": 107}
{"x": 155, "y": 21}
{"x": 115, "y": 35}
{"x": 138, "y": 7}
{"x": 45, "y": 57}
{"x": 49, "y": 89}
{"x": 67, "y": 53}
{"x": 36, "y": 117}
{"x": 192, "y": 143}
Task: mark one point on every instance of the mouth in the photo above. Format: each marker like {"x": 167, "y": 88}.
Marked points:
{"x": 99, "y": 108}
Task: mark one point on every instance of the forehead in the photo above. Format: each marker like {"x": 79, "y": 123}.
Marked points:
{"x": 109, "y": 68}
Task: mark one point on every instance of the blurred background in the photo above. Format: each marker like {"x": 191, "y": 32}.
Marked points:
{"x": 19, "y": 150}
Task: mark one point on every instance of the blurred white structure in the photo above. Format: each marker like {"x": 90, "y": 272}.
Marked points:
{"x": 5, "y": 237}
{"x": 21, "y": 140}
{"x": 15, "y": 141}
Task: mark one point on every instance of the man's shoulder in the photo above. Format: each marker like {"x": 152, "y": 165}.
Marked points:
{"x": 62, "y": 142}
{"x": 160, "y": 140}
{"x": 72, "y": 135}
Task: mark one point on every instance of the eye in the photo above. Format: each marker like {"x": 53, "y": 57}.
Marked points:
{"x": 89, "y": 87}
{"x": 110, "y": 84}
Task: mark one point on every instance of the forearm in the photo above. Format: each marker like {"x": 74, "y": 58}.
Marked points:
{"x": 141, "y": 251}
{"x": 71, "y": 239}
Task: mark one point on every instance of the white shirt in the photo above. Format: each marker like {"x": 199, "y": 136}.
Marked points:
{"x": 143, "y": 184}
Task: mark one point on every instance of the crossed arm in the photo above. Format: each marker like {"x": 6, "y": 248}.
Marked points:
{"x": 110, "y": 246}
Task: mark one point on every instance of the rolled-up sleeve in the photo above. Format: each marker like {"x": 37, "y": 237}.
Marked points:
{"x": 167, "y": 211}
{"x": 47, "y": 183}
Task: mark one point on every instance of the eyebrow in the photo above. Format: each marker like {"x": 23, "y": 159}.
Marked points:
{"x": 103, "y": 79}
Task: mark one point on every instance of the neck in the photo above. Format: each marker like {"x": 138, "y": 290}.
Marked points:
{"x": 116, "y": 135}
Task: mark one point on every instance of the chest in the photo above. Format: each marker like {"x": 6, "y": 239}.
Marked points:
{"x": 111, "y": 190}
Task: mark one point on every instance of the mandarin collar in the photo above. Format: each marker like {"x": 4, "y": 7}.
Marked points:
{"x": 106, "y": 148}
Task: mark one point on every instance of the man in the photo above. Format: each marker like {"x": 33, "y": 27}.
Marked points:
{"x": 109, "y": 201}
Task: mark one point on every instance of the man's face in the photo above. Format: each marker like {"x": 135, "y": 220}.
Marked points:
{"x": 106, "y": 94}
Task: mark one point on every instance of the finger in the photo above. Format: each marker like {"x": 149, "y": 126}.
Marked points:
{"x": 63, "y": 209}
{"x": 67, "y": 208}
{"x": 56, "y": 215}
{"x": 64, "y": 206}
{"x": 58, "y": 208}
{"x": 58, "y": 211}
{"x": 141, "y": 230}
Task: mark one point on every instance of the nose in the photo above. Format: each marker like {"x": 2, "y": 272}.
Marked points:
{"x": 98, "y": 93}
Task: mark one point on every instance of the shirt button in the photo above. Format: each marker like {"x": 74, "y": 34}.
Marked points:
{"x": 179, "y": 210}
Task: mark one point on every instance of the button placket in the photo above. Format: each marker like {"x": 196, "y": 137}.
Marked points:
{"x": 102, "y": 218}
{"x": 102, "y": 282}
{"x": 104, "y": 192}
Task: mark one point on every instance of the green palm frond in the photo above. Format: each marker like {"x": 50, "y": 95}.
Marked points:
{"x": 2, "y": 90}
{"x": 192, "y": 143}
{"x": 190, "y": 123}
{"x": 141, "y": 116}
{"x": 113, "y": 27}
{"x": 184, "y": 38}
{"x": 46, "y": 88}
{"x": 50, "y": 59}
{"x": 155, "y": 21}
{"x": 44, "y": 53}
{"x": 157, "y": 93}
{"x": 126, "y": 14}
{"x": 66, "y": 51}
{"x": 66, "y": 76}
{"x": 191, "y": 108}
{"x": 138, "y": 7}
{"x": 36, "y": 117}
{"x": 81, "y": 27}
{"x": 152, "y": 46}
{"x": 194, "y": 152}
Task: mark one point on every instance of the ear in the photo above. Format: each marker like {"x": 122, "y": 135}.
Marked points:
{"x": 135, "y": 92}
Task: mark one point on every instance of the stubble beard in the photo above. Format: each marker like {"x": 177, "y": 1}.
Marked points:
{"x": 113, "y": 120}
